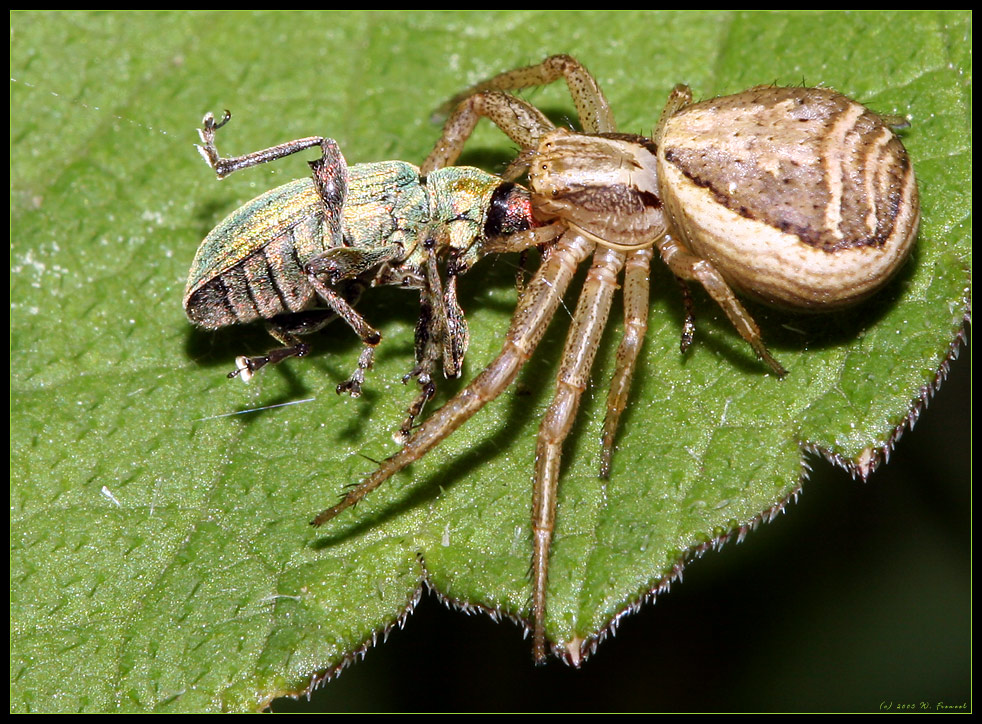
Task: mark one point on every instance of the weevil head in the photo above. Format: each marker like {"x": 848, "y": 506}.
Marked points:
{"x": 471, "y": 206}
{"x": 509, "y": 211}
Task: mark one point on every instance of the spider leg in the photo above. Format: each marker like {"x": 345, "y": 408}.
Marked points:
{"x": 686, "y": 265}
{"x": 589, "y": 320}
{"x": 522, "y": 122}
{"x": 591, "y": 105}
{"x": 532, "y": 315}
{"x": 636, "y": 272}
{"x": 519, "y": 120}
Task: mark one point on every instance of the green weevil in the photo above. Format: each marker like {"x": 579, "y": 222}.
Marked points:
{"x": 300, "y": 255}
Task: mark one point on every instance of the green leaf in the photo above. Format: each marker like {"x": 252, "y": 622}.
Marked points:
{"x": 161, "y": 558}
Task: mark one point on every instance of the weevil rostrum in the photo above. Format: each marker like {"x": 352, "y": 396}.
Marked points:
{"x": 799, "y": 197}
{"x": 301, "y": 254}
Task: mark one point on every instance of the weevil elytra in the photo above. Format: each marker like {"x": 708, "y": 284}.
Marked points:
{"x": 801, "y": 197}
{"x": 301, "y": 254}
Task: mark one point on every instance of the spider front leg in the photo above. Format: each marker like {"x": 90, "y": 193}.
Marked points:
{"x": 589, "y": 320}
{"x": 535, "y": 309}
{"x": 520, "y": 121}
{"x": 591, "y": 105}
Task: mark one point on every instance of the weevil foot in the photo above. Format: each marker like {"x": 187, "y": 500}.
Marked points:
{"x": 353, "y": 384}
{"x": 246, "y": 367}
{"x": 207, "y": 134}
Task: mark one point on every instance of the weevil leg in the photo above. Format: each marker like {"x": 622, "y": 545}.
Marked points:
{"x": 341, "y": 267}
{"x": 349, "y": 262}
{"x": 246, "y": 367}
{"x": 520, "y": 121}
{"x": 591, "y": 105}
{"x": 287, "y": 329}
{"x": 686, "y": 265}
{"x": 458, "y": 336}
{"x": 449, "y": 327}
{"x": 369, "y": 336}
{"x": 432, "y": 334}
{"x": 635, "y": 293}
{"x": 533, "y": 313}
{"x": 225, "y": 166}
{"x": 330, "y": 174}
{"x": 589, "y": 320}
{"x": 427, "y": 389}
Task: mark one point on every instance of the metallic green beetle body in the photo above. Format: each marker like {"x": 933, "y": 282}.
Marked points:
{"x": 251, "y": 266}
{"x": 300, "y": 255}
